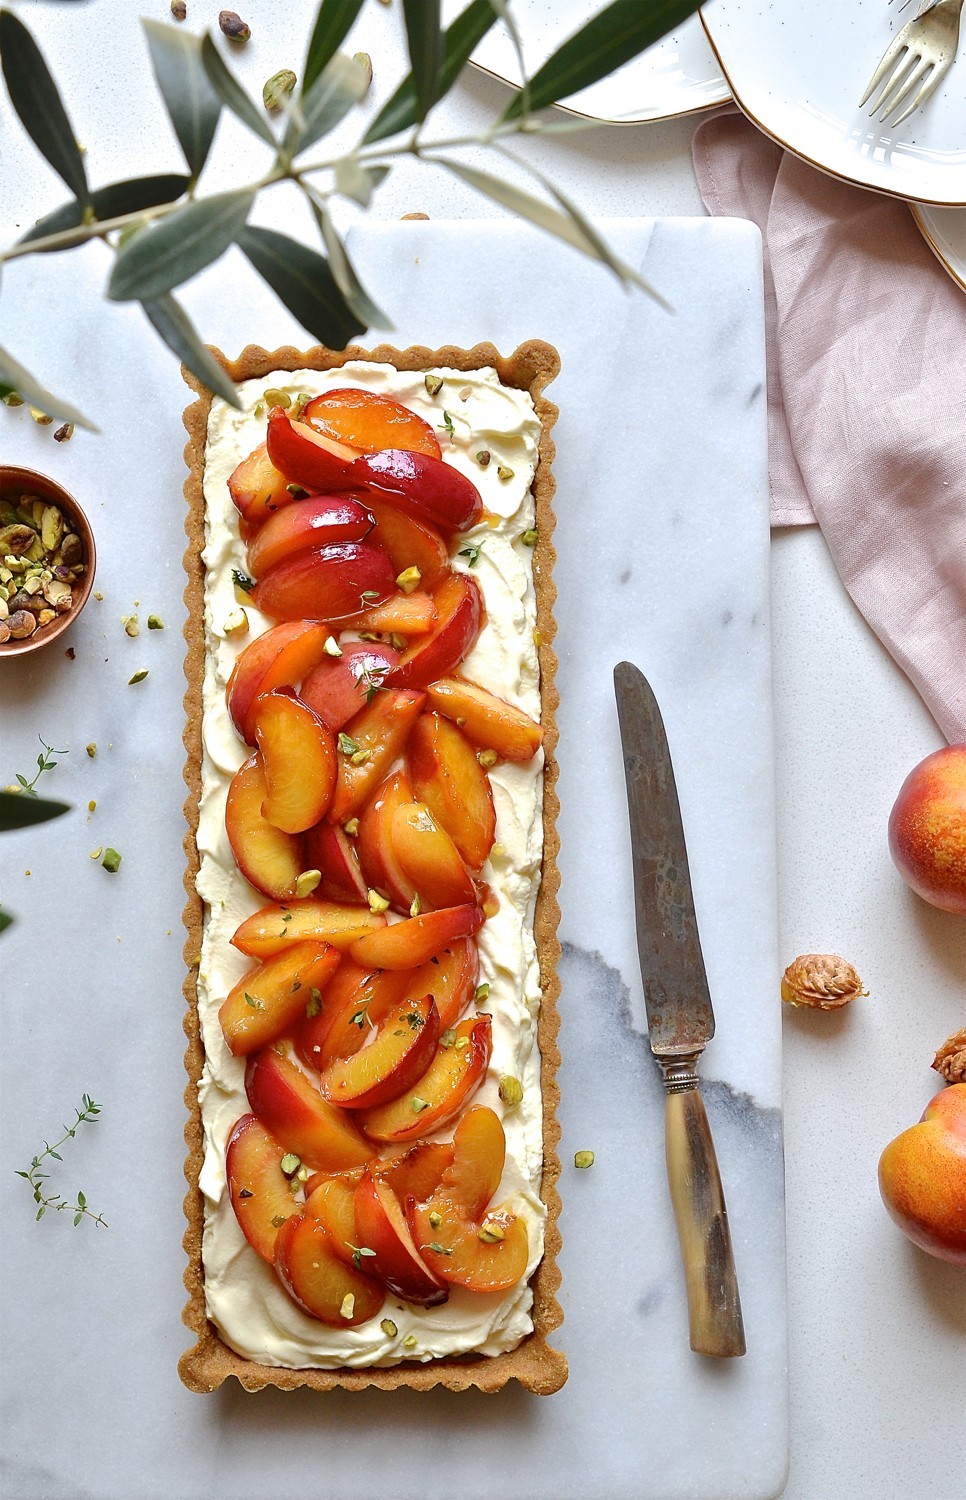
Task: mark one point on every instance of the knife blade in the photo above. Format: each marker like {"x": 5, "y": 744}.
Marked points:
{"x": 679, "y": 1015}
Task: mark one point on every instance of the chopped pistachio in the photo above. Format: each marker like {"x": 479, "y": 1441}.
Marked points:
{"x": 348, "y": 1305}
{"x": 179, "y": 10}
{"x": 433, "y": 384}
{"x": 511, "y": 1090}
{"x": 448, "y": 1038}
{"x": 155, "y": 622}
{"x": 439, "y": 1249}
{"x": 365, "y": 63}
{"x": 583, "y": 1159}
{"x": 347, "y": 745}
{"x": 138, "y": 677}
{"x": 296, "y": 491}
{"x": 236, "y": 623}
{"x": 290, "y": 1163}
{"x": 92, "y": 749}
{"x": 487, "y": 758}
{"x": 415, "y": 906}
{"x": 398, "y": 642}
{"x": 389, "y": 1328}
{"x": 275, "y": 91}
{"x": 360, "y": 757}
{"x": 314, "y": 1004}
{"x": 331, "y": 646}
{"x": 435, "y": 1218}
{"x": 377, "y": 903}
{"x": 132, "y": 625}
{"x": 419, "y": 1105}
{"x": 274, "y": 397}
{"x": 91, "y": 805}
{"x": 409, "y": 580}
{"x": 483, "y": 457}
{"x": 111, "y": 861}
{"x": 529, "y": 537}
{"x": 503, "y": 472}
{"x": 96, "y": 853}
{"x": 12, "y": 399}
{"x": 40, "y": 417}
{"x": 234, "y": 28}
{"x": 64, "y": 433}
{"x": 462, "y": 1042}
{"x": 306, "y": 882}
{"x": 299, "y": 404}
{"x": 98, "y": 595}
{"x": 490, "y": 1232}
{"x": 278, "y": 1220}
{"x": 409, "y": 1342}
{"x": 351, "y": 827}
{"x": 482, "y": 993}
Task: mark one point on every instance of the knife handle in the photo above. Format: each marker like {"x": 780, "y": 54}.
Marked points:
{"x": 714, "y": 1307}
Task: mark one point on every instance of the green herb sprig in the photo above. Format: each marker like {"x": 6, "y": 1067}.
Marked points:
{"x": 36, "y": 1177}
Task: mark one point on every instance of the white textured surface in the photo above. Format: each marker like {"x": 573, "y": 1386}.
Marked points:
{"x": 876, "y": 1328}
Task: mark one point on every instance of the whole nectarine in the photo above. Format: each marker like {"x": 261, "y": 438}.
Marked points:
{"x": 927, "y": 829}
{"x": 922, "y": 1177}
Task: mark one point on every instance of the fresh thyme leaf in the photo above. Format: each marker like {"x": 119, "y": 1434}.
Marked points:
{"x": 242, "y": 581}
{"x": 472, "y": 552}
{"x": 448, "y": 425}
{"x": 87, "y": 1115}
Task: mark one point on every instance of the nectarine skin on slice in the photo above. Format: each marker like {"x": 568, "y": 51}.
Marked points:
{"x": 415, "y": 940}
{"x": 332, "y": 1202}
{"x": 369, "y": 421}
{"x": 329, "y": 583}
{"x": 298, "y": 758}
{"x": 377, "y": 857}
{"x": 293, "y": 1110}
{"x": 398, "y": 1054}
{"x": 447, "y": 776}
{"x": 429, "y": 858}
{"x": 330, "y": 850}
{"x": 260, "y": 1192}
{"x": 485, "y": 719}
{"x": 325, "y": 1286}
{"x": 461, "y": 615}
{"x": 257, "y": 488}
{"x": 279, "y": 657}
{"x": 455, "y": 1073}
{"x": 269, "y": 859}
{"x": 273, "y": 995}
{"x": 479, "y": 1152}
{"x": 382, "y": 1226}
{"x": 354, "y": 1004}
{"x": 426, "y": 488}
{"x": 451, "y": 978}
{"x": 339, "y": 686}
{"x": 311, "y": 522}
{"x": 379, "y": 733}
{"x": 408, "y": 542}
{"x": 461, "y": 1257}
{"x": 276, "y": 927}
{"x": 306, "y": 457}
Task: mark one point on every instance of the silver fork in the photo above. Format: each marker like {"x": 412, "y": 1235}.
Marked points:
{"x": 916, "y": 62}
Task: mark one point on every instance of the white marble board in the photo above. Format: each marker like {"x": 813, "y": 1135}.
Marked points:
{"x": 663, "y": 545}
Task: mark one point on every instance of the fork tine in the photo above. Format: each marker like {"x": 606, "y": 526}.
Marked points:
{"x": 918, "y": 74}
{"x": 928, "y": 88}
{"x": 889, "y": 57}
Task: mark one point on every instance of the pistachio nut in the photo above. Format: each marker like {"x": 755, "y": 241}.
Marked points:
{"x": 21, "y": 624}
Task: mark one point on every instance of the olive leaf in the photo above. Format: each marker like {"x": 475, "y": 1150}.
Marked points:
{"x": 169, "y": 319}
{"x": 615, "y": 35}
{"x": 230, "y": 92}
{"x": 321, "y": 107}
{"x": 130, "y": 196}
{"x": 18, "y": 810}
{"x": 344, "y": 274}
{"x": 332, "y": 25}
{"x": 357, "y": 182}
{"x": 14, "y": 377}
{"x": 303, "y": 281}
{"x": 189, "y": 97}
{"x": 33, "y": 94}
{"x": 400, "y": 111}
{"x": 162, "y": 256}
{"x": 425, "y": 41}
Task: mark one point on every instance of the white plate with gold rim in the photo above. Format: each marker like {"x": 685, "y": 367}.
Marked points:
{"x": 944, "y": 230}
{"x": 798, "y": 73}
{"x": 677, "y": 76}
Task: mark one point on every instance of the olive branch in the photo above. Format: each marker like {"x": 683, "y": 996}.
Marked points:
{"x": 162, "y": 231}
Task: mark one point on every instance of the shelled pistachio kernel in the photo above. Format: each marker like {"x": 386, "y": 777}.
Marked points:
{"x": 92, "y": 749}
{"x": 409, "y": 580}
{"x": 487, "y": 758}
{"x": 275, "y": 91}
{"x": 583, "y": 1159}
{"x": 139, "y": 676}
{"x": 276, "y": 397}
{"x": 331, "y": 646}
{"x": 306, "y": 882}
{"x": 511, "y": 1091}
{"x": 389, "y": 1328}
{"x": 155, "y": 622}
{"x": 236, "y": 622}
{"x": 409, "y": 1342}
{"x": 377, "y": 903}
{"x": 40, "y": 417}
{"x": 348, "y": 1305}
{"x": 491, "y": 1232}
{"x": 111, "y": 861}
{"x": 132, "y": 625}
{"x": 433, "y": 384}
{"x": 233, "y": 27}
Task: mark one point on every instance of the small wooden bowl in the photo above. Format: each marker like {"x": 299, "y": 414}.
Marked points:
{"x": 14, "y": 483}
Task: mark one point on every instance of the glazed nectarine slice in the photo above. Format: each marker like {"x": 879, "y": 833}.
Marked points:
{"x": 320, "y": 1282}
{"x": 340, "y": 685}
{"x": 415, "y": 940}
{"x": 330, "y": 850}
{"x": 293, "y": 1110}
{"x": 382, "y": 1226}
{"x": 260, "y": 1192}
{"x": 429, "y": 859}
{"x": 368, "y": 421}
{"x": 461, "y": 615}
{"x": 399, "y": 1052}
{"x": 257, "y": 488}
{"x": 355, "y": 1002}
{"x": 447, "y": 776}
{"x": 274, "y": 928}
{"x": 408, "y": 542}
{"x": 269, "y": 859}
{"x": 311, "y": 522}
{"x": 270, "y": 997}
{"x": 298, "y": 758}
{"x": 451, "y": 978}
{"x": 280, "y": 657}
{"x": 417, "y": 1172}
{"x": 479, "y": 1152}
{"x": 400, "y": 614}
{"x": 333, "y": 583}
{"x": 331, "y": 1200}
{"x": 369, "y": 745}
{"x": 377, "y": 857}
{"x": 451, "y": 1078}
{"x": 424, "y": 487}
{"x": 486, "y": 719}
{"x": 490, "y": 1256}
{"x": 307, "y": 457}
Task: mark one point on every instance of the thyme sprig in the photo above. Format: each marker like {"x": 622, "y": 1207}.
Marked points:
{"x": 46, "y": 761}
{"x": 37, "y": 1178}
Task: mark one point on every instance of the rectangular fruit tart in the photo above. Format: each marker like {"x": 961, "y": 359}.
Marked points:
{"x": 372, "y": 880}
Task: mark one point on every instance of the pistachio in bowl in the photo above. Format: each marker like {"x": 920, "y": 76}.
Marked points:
{"x": 47, "y": 560}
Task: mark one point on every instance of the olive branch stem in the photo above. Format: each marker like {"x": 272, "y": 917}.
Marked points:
{"x": 37, "y": 1178}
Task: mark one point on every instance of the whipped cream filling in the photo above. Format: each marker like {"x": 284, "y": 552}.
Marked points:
{"x": 246, "y": 1302}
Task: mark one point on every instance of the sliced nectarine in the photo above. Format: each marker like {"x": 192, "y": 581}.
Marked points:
{"x": 269, "y": 859}
{"x": 368, "y": 421}
{"x": 331, "y": 1200}
{"x": 307, "y": 457}
{"x": 257, "y": 488}
{"x": 372, "y": 741}
{"x": 272, "y": 995}
{"x": 274, "y": 928}
{"x": 399, "y": 1052}
{"x": 400, "y": 614}
{"x": 408, "y": 542}
{"x": 490, "y": 1256}
{"x": 340, "y": 685}
{"x": 298, "y": 758}
{"x": 415, "y": 940}
{"x": 279, "y": 657}
{"x": 461, "y": 615}
{"x": 331, "y": 583}
{"x": 325, "y": 1286}
{"x": 417, "y": 1172}
{"x": 356, "y": 1001}
{"x": 486, "y": 719}
{"x": 291, "y": 1107}
{"x": 260, "y": 1192}
{"x": 451, "y": 978}
{"x": 447, "y": 776}
{"x": 382, "y": 1226}
{"x": 311, "y": 522}
{"x": 377, "y": 858}
{"x": 479, "y": 1152}
{"x": 330, "y": 850}
{"x": 426, "y": 488}
{"x": 451, "y": 1078}
{"x": 429, "y": 859}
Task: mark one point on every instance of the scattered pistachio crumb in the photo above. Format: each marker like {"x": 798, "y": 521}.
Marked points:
{"x": 389, "y": 1328}
{"x": 40, "y": 417}
{"x": 482, "y": 993}
{"x": 511, "y": 1090}
{"x": 290, "y": 1163}
{"x": 306, "y": 882}
{"x": 487, "y": 758}
{"x": 348, "y": 1305}
{"x": 347, "y": 745}
{"x": 360, "y": 757}
{"x": 435, "y": 1218}
{"x": 583, "y": 1159}
{"x": 351, "y": 827}
{"x": 92, "y": 749}
{"x": 234, "y": 28}
{"x": 96, "y": 853}
{"x": 462, "y": 1042}
{"x": 409, "y": 1342}
{"x": 275, "y": 397}
{"x": 179, "y": 10}
{"x": 138, "y": 677}
{"x": 419, "y": 1104}
{"x": 64, "y": 433}
{"x": 377, "y": 903}
{"x": 448, "y": 1038}
{"x": 433, "y": 384}
{"x": 503, "y": 472}
{"x": 275, "y": 91}
{"x": 483, "y": 457}
{"x": 415, "y": 906}
{"x": 332, "y": 648}
{"x": 529, "y": 537}
{"x": 132, "y": 625}
{"x": 490, "y": 1232}
{"x": 98, "y": 596}
{"x": 155, "y": 622}
{"x": 111, "y": 861}
{"x": 236, "y": 622}
{"x": 409, "y": 580}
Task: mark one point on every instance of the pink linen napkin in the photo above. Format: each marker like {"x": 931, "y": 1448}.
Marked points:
{"x": 866, "y": 347}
